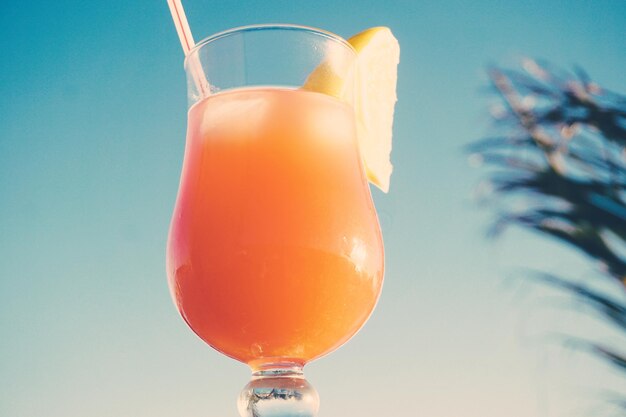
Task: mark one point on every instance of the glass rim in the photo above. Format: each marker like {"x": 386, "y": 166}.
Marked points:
{"x": 267, "y": 26}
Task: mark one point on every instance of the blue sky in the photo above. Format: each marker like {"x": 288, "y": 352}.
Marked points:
{"x": 92, "y": 126}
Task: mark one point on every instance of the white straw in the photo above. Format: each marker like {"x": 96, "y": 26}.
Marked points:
{"x": 182, "y": 26}
{"x": 187, "y": 42}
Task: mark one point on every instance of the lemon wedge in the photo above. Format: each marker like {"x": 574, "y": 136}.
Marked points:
{"x": 378, "y": 55}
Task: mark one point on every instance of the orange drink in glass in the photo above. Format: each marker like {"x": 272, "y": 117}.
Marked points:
{"x": 275, "y": 255}
{"x": 275, "y": 252}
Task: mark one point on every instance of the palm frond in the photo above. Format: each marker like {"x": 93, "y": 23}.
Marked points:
{"x": 556, "y": 166}
{"x": 564, "y": 141}
{"x": 607, "y": 307}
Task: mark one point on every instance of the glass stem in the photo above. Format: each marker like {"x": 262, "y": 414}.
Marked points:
{"x": 278, "y": 391}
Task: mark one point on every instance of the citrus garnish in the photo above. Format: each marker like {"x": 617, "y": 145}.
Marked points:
{"x": 378, "y": 54}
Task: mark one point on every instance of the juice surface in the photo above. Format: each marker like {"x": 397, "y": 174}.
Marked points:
{"x": 274, "y": 250}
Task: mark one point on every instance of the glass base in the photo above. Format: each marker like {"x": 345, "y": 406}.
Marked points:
{"x": 278, "y": 391}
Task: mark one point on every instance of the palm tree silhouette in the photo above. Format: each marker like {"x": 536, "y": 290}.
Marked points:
{"x": 560, "y": 150}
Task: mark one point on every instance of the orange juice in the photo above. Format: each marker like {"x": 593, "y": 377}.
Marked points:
{"x": 274, "y": 251}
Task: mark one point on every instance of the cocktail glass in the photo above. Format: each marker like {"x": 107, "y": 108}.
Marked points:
{"x": 275, "y": 256}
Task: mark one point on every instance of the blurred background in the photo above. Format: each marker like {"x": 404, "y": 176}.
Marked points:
{"x": 92, "y": 127}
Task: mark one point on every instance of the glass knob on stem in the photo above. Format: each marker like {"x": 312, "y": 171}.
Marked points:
{"x": 278, "y": 392}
